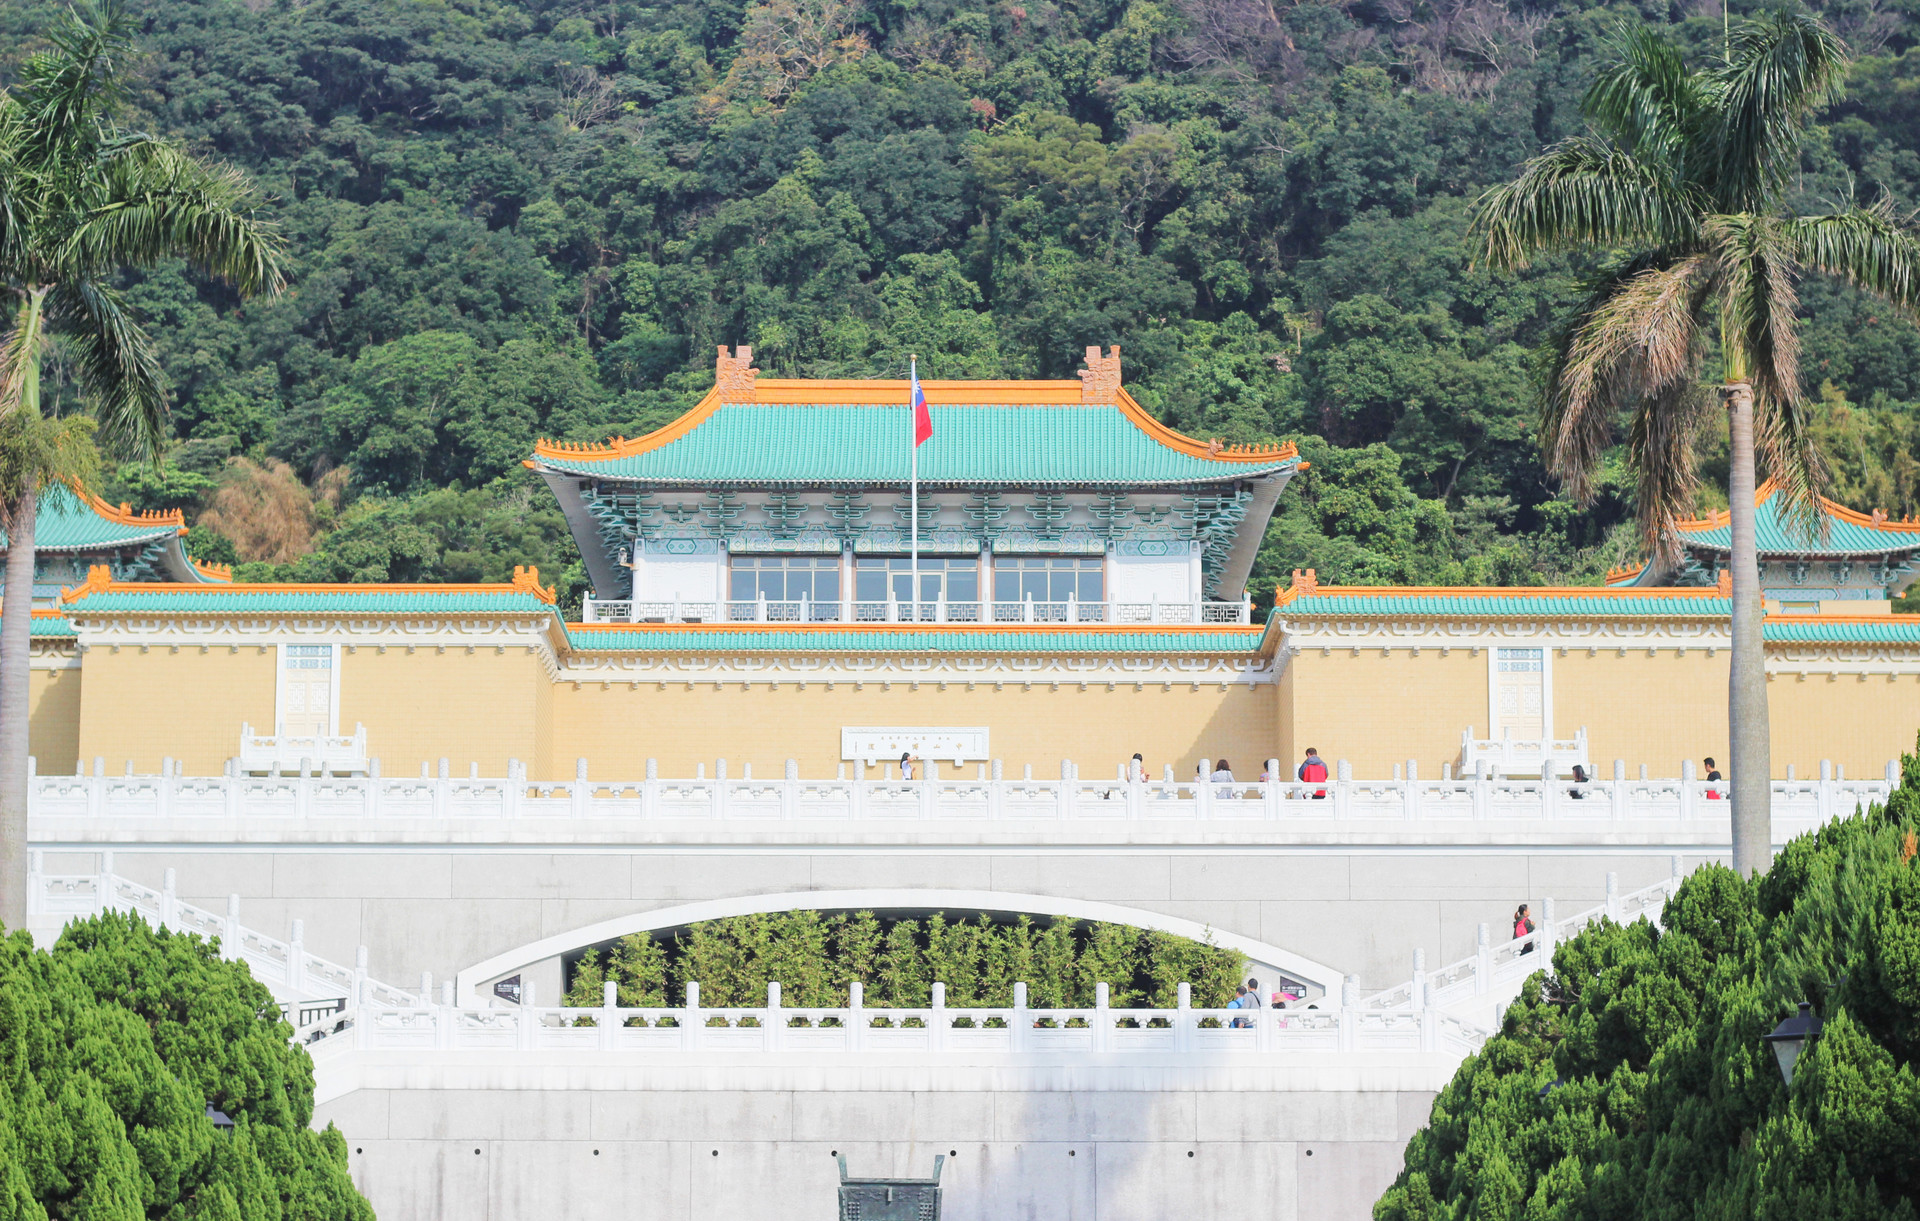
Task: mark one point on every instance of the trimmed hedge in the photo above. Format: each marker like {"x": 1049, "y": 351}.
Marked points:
{"x": 1633, "y": 1081}
{"x": 814, "y": 955}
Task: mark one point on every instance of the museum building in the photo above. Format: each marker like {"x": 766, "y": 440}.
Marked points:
{"x": 1075, "y": 592}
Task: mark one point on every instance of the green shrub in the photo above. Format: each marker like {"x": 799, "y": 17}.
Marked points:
{"x": 111, "y": 1048}
{"x": 816, "y": 955}
{"x": 1633, "y": 1081}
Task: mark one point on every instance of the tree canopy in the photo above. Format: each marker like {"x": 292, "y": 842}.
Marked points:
{"x": 1633, "y": 1080}
{"x": 511, "y": 218}
{"x": 112, "y": 1048}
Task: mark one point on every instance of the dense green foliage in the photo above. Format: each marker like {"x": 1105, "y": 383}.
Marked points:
{"x": 112, "y": 1047}
{"x": 522, "y": 217}
{"x": 1633, "y": 1082}
{"x": 814, "y": 956}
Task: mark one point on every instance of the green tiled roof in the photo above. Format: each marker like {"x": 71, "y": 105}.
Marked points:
{"x": 593, "y": 638}
{"x": 1903, "y": 629}
{"x": 47, "y": 627}
{"x": 1569, "y": 604}
{"x": 1844, "y": 535}
{"x": 785, "y": 443}
{"x": 68, "y": 523}
{"x": 295, "y": 599}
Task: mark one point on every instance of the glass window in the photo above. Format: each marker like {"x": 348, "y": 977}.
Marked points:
{"x": 784, "y": 578}
{"x": 1048, "y": 578}
{"x": 956, "y": 576}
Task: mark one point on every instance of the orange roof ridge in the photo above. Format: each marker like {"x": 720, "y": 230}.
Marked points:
{"x": 100, "y": 580}
{"x": 1306, "y": 585}
{"x": 1876, "y": 520}
{"x": 1818, "y": 618}
{"x": 127, "y": 515}
{"x": 212, "y": 571}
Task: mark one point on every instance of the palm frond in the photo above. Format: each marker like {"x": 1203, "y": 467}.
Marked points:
{"x": 1784, "y": 66}
{"x": 1583, "y": 192}
{"x": 1638, "y": 337}
{"x": 1660, "y": 450}
{"x": 155, "y": 202}
{"x": 1646, "y": 100}
{"x": 62, "y": 91}
{"x": 1870, "y": 248}
{"x": 118, "y": 369}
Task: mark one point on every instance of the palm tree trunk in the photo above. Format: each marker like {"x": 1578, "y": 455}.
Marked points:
{"x": 1750, "y": 748}
{"x": 16, "y": 674}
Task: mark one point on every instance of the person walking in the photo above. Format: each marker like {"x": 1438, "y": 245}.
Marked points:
{"x": 1312, "y": 771}
{"x": 1713, "y": 778}
{"x": 1580, "y": 781}
{"x": 1238, "y": 1002}
{"x": 907, "y": 765}
{"x": 1523, "y": 927}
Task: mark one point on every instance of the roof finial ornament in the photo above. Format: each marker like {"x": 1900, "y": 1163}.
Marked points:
{"x": 1725, "y": 582}
{"x": 1213, "y": 447}
{"x": 1100, "y": 380}
{"x": 1306, "y": 582}
{"x": 733, "y": 375}
{"x": 1879, "y": 517}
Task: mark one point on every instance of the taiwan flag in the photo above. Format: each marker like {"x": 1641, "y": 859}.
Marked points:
{"x": 922, "y": 418}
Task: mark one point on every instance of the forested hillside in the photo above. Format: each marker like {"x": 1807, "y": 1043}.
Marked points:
{"x": 513, "y": 218}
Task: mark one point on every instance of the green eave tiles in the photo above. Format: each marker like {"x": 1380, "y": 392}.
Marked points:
{"x": 213, "y": 600}
{"x": 1455, "y": 606}
{"x": 49, "y": 628}
{"x": 1893, "y": 631}
{"x": 760, "y": 443}
{"x": 590, "y": 638}
{"x": 1844, "y": 537}
{"x": 66, "y": 524}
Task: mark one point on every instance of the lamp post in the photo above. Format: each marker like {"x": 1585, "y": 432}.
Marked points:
{"x": 1791, "y": 1037}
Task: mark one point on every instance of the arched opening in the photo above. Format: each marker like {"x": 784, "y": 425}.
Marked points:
{"x": 474, "y": 980}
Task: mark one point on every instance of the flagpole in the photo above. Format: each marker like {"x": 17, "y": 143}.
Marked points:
{"x": 913, "y": 487}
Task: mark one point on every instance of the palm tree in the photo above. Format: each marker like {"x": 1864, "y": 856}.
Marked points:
{"x": 81, "y": 200}
{"x": 1682, "y": 190}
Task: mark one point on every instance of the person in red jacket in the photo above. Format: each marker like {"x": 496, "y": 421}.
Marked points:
{"x": 1713, "y": 778}
{"x": 1313, "y": 771}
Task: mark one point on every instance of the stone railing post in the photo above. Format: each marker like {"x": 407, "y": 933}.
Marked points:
{"x": 1065, "y": 793}
{"x": 1429, "y": 1020}
{"x": 526, "y": 1018}
{"x": 359, "y": 996}
{"x": 580, "y": 793}
{"x": 1349, "y": 1013}
{"x": 103, "y": 895}
{"x": 1410, "y": 793}
{"x": 515, "y": 790}
{"x": 1825, "y": 798}
{"x": 790, "y": 791}
{"x": 1277, "y": 782}
{"x": 1545, "y": 934}
{"x": 169, "y": 897}
{"x": 1613, "y": 896}
{"x": 1342, "y": 789}
{"x": 857, "y": 1017}
{"x": 1019, "y": 1024}
{"x": 609, "y": 1013}
{"x": 719, "y": 788}
{"x": 996, "y": 790}
{"x": 1102, "y": 1019}
{"x": 1183, "y": 1019}
{"x": 650, "y": 790}
{"x": 230, "y": 935}
{"x": 692, "y": 1019}
{"x": 1416, "y": 997}
{"x": 297, "y": 957}
{"x": 929, "y": 787}
{"x": 1483, "y": 960}
{"x": 937, "y": 1021}
{"x": 36, "y": 882}
{"x": 773, "y": 1026}
{"x": 442, "y": 788}
{"x": 1619, "y": 795}
{"x": 1203, "y": 790}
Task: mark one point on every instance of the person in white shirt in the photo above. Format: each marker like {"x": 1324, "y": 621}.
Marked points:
{"x": 1223, "y": 771}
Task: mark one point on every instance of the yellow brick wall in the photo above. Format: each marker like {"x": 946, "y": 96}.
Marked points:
{"x": 53, "y": 720}
{"x": 1376, "y": 711}
{"x": 1654, "y": 710}
{"x": 182, "y": 701}
{"x": 617, "y": 727}
{"x": 1859, "y": 723}
{"x": 426, "y": 703}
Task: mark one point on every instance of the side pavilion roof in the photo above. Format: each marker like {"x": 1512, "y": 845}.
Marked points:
{"x": 72, "y": 522}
